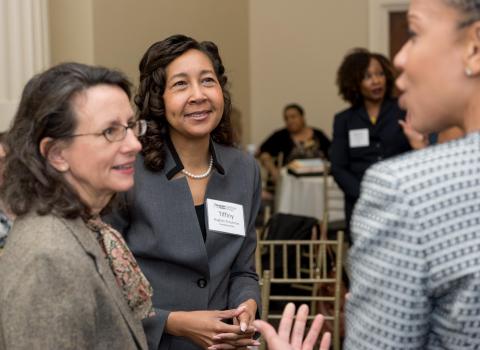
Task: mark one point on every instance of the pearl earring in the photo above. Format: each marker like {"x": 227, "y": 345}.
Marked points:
{"x": 468, "y": 71}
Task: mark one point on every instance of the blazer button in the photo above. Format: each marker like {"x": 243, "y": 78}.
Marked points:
{"x": 202, "y": 282}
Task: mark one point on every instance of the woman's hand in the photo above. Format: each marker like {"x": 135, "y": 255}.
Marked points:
{"x": 203, "y": 328}
{"x": 247, "y": 316}
{"x": 267, "y": 161}
{"x": 416, "y": 139}
{"x": 245, "y": 319}
{"x": 288, "y": 339}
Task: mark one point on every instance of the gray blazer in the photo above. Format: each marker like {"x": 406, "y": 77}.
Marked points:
{"x": 58, "y": 291}
{"x": 161, "y": 227}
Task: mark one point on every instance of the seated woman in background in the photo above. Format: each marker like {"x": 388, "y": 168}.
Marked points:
{"x": 295, "y": 141}
{"x": 68, "y": 280}
{"x": 369, "y": 130}
{"x": 190, "y": 218}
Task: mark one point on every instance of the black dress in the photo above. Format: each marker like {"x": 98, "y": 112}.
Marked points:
{"x": 281, "y": 142}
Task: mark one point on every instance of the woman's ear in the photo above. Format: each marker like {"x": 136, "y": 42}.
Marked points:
{"x": 52, "y": 151}
{"x": 472, "y": 64}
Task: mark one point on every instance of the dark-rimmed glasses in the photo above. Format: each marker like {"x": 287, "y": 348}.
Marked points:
{"x": 118, "y": 132}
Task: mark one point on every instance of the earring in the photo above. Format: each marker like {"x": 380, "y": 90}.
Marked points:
{"x": 468, "y": 72}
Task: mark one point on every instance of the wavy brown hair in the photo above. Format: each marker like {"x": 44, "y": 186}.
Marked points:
{"x": 352, "y": 71}
{"x": 46, "y": 110}
{"x": 149, "y": 99}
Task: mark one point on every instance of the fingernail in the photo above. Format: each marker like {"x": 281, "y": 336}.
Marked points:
{"x": 243, "y": 326}
{"x": 217, "y": 337}
{"x": 256, "y": 343}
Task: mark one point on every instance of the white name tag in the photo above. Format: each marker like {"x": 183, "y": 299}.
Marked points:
{"x": 359, "y": 138}
{"x": 225, "y": 217}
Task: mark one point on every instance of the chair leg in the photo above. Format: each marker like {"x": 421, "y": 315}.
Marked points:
{"x": 338, "y": 278}
{"x": 265, "y": 295}
{"x": 265, "y": 302}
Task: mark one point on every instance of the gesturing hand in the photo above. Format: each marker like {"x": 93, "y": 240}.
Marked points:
{"x": 288, "y": 339}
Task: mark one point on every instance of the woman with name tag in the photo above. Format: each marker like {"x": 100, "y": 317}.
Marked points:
{"x": 189, "y": 220}
{"x": 369, "y": 130}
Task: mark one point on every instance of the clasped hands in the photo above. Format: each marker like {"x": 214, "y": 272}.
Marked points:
{"x": 209, "y": 330}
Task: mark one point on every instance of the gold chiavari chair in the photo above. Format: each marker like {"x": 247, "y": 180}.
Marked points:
{"x": 305, "y": 262}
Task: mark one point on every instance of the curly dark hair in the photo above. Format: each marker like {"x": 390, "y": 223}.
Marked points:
{"x": 352, "y": 71}
{"x": 149, "y": 99}
{"x": 46, "y": 110}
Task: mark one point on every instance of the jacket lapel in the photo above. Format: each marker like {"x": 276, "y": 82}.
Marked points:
{"x": 87, "y": 240}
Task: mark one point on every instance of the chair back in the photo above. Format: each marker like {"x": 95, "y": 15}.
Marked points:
{"x": 306, "y": 264}
{"x": 285, "y": 227}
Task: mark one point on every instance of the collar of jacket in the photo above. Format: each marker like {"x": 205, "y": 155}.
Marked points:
{"x": 387, "y": 104}
{"x": 88, "y": 242}
{"x": 173, "y": 163}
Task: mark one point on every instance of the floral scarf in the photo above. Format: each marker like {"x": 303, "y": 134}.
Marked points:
{"x": 135, "y": 287}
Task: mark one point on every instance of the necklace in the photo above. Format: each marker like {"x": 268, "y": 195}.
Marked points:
{"x": 199, "y": 176}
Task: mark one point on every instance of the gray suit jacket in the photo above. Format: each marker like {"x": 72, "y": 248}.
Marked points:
{"x": 162, "y": 230}
{"x": 58, "y": 291}
{"x": 415, "y": 261}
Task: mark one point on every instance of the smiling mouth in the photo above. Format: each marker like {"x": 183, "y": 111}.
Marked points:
{"x": 198, "y": 114}
{"x": 123, "y": 166}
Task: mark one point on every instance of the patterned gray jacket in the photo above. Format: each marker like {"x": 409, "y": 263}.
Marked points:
{"x": 415, "y": 261}
{"x": 5, "y": 227}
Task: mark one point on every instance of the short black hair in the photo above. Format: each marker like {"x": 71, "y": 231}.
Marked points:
{"x": 470, "y": 10}
{"x": 294, "y": 106}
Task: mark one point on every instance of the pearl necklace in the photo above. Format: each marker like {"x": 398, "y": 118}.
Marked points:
{"x": 199, "y": 176}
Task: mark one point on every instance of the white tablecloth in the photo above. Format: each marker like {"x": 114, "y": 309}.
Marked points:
{"x": 304, "y": 196}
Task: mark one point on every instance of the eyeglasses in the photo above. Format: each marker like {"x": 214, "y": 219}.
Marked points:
{"x": 118, "y": 132}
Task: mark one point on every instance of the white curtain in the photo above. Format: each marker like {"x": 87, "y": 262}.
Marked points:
{"x": 24, "y": 50}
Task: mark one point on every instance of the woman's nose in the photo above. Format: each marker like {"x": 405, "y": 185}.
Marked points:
{"x": 399, "y": 59}
{"x": 197, "y": 93}
{"x": 131, "y": 142}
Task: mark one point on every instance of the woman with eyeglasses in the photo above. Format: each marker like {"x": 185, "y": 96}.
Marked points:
{"x": 190, "y": 218}
{"x": 68, "y": 280}
{"x": 415, "y": 262}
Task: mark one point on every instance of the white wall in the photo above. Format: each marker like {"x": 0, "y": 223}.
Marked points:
{"x": 116, "y": 33}
{"x": 275, "y": 51}
{"x": 295, "y": 50}
{"x": 71, "y": 31}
